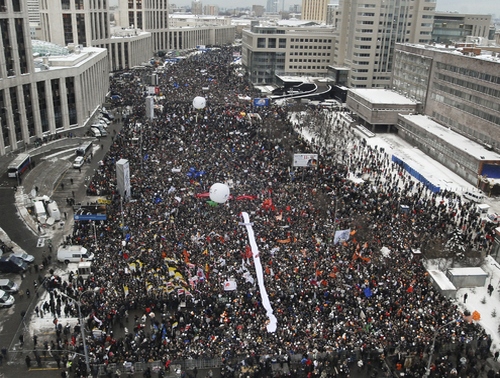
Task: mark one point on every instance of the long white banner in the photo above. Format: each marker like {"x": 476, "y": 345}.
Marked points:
{"x": 271, "y": 326}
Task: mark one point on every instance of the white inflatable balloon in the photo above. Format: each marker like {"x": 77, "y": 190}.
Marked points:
{"x": 199, "y": 102}
{"x": 219, "y": 192}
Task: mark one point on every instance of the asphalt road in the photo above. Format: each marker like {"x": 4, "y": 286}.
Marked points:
{"x": 11, "y": 320}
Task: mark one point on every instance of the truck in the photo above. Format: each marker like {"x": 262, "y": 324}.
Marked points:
{"x": 73, "y": 254}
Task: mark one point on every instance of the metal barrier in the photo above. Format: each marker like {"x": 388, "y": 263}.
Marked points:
{"x": 174, "y": 371}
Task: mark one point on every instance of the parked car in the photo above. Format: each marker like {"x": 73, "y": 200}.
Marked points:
{"x": 8, "y": 286}
{"x": 25, "y": 256}
{"x": 104, "y": 121}
{"x": 12, "y": 264}
{"x": 78, "y": 163}
{"x": 495, "y": 218}
{"x": 6, "y": 300}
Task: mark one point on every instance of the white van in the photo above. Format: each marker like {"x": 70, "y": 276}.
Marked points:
{"x": 53, "y": 211}
{"x": 74, "y": 254}
{"x": 95, "y": 132}
{"x": 474, "y": 196}
{"x": 40, "y": 212}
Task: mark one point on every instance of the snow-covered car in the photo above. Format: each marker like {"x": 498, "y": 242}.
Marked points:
{"x": 495, "y": 218}
{"x": 6, "y": 300}
{"x": 25, "y": 256}
{"x": 78, "y": 162}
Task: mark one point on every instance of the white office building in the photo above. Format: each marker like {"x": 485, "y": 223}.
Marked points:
{"x": 367, "y": 31}
{"x": 53, "y": 94}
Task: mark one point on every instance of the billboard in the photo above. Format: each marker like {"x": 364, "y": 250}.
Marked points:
{"x": 305, "y": 160}
{"x": 90, "y": 213}
{"x": 150, "y": 107}
{"x": 123, "y": 178}
{"x": 260, "y": 102}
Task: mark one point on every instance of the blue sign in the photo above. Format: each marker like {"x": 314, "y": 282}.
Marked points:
{"x": 260, "y": 102}
{"x": 89, "y": 217}
{"x": 90, "y": 213}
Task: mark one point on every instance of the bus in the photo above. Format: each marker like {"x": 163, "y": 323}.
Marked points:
{"x": 19, "y": 165}
{"x": 85, "y": 149}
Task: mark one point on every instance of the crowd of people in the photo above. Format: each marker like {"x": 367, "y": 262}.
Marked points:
{"x": 180, "y": 267}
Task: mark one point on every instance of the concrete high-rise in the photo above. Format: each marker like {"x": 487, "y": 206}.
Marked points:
{"x": 79, "y": 22}
{"x": 197, "y": 7}
{"x": 456, "y": 27}
{"x": 54, "y": 94}
{"x": 154, "y": 16}
{"x": 368, "y": 31}
{"x": 272, "y": 6}
{"x": 315, "y": 10}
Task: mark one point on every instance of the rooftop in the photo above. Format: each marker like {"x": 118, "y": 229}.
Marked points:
{"x": 382, "y": 96}
{"x": 472, "y": 148}
{"x": 468, "y": 50}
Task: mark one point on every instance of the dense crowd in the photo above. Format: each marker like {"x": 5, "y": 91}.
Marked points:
{"x": 166, "y": 252}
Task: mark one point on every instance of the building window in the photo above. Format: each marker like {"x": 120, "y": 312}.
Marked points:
{"x": 42, "y": 104}
{"x": 68, "y": 28}
{"x": 3, "y": 120}
{"x": 56, "y": 103}
{"x": 16, "y": 5}
{"x": 71, "y": 98}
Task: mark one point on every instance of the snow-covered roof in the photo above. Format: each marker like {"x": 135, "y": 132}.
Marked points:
{"x": 488, "y": 53}
{"x": 441, "y": 280}
{"x": 467, "y": 145}
{"x": 472, "y": 271}
{"x": 382, "y": 96}
{"x": 294, "y": 23}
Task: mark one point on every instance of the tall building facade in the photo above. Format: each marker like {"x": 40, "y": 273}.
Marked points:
{"x": 367, "y": 31}
{"x": 197, "y": 7}
{"x": 155, "y": 20}
{"x": 86, "y": 23}
{"x": 53, "y": 95}
{"x": 272, "y": 6}
{"x": 300, "y": 51}
{"x": 79, "y": 22}
{"x": 210, "y": 10}
{"x": 458, "y": 87}
{"x": 315, "y": 10}
{"x": 456, "y": 27}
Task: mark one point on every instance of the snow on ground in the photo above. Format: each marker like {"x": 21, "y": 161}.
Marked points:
{"x": 479, "y": 300}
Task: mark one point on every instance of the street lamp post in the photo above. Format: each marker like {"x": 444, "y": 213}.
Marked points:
{"x": 431, "y": 352}
{"x": 82, "y": 326}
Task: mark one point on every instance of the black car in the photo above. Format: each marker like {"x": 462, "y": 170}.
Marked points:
{"x": 12, "y": 264}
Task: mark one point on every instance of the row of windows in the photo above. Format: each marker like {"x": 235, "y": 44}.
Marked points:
{"x": 310, "y": 47}
{"x": 16, "y": 6}
{"x": 456, "y": 125}
{"x": 467, "y": 84}
{"x": 466, "y": 108}
{"x": 138, "y": 4}
{"x": 478, "y": 100}
{"x": 307, "y": 67}
{"x": 472, "y": 73}
{"x": 309, "y": 54}
{"x": 316, "y": 40}
{"x": 66, "y": 4}
{"x": 440, "y": 145}
{"x": 308, "y": 60}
